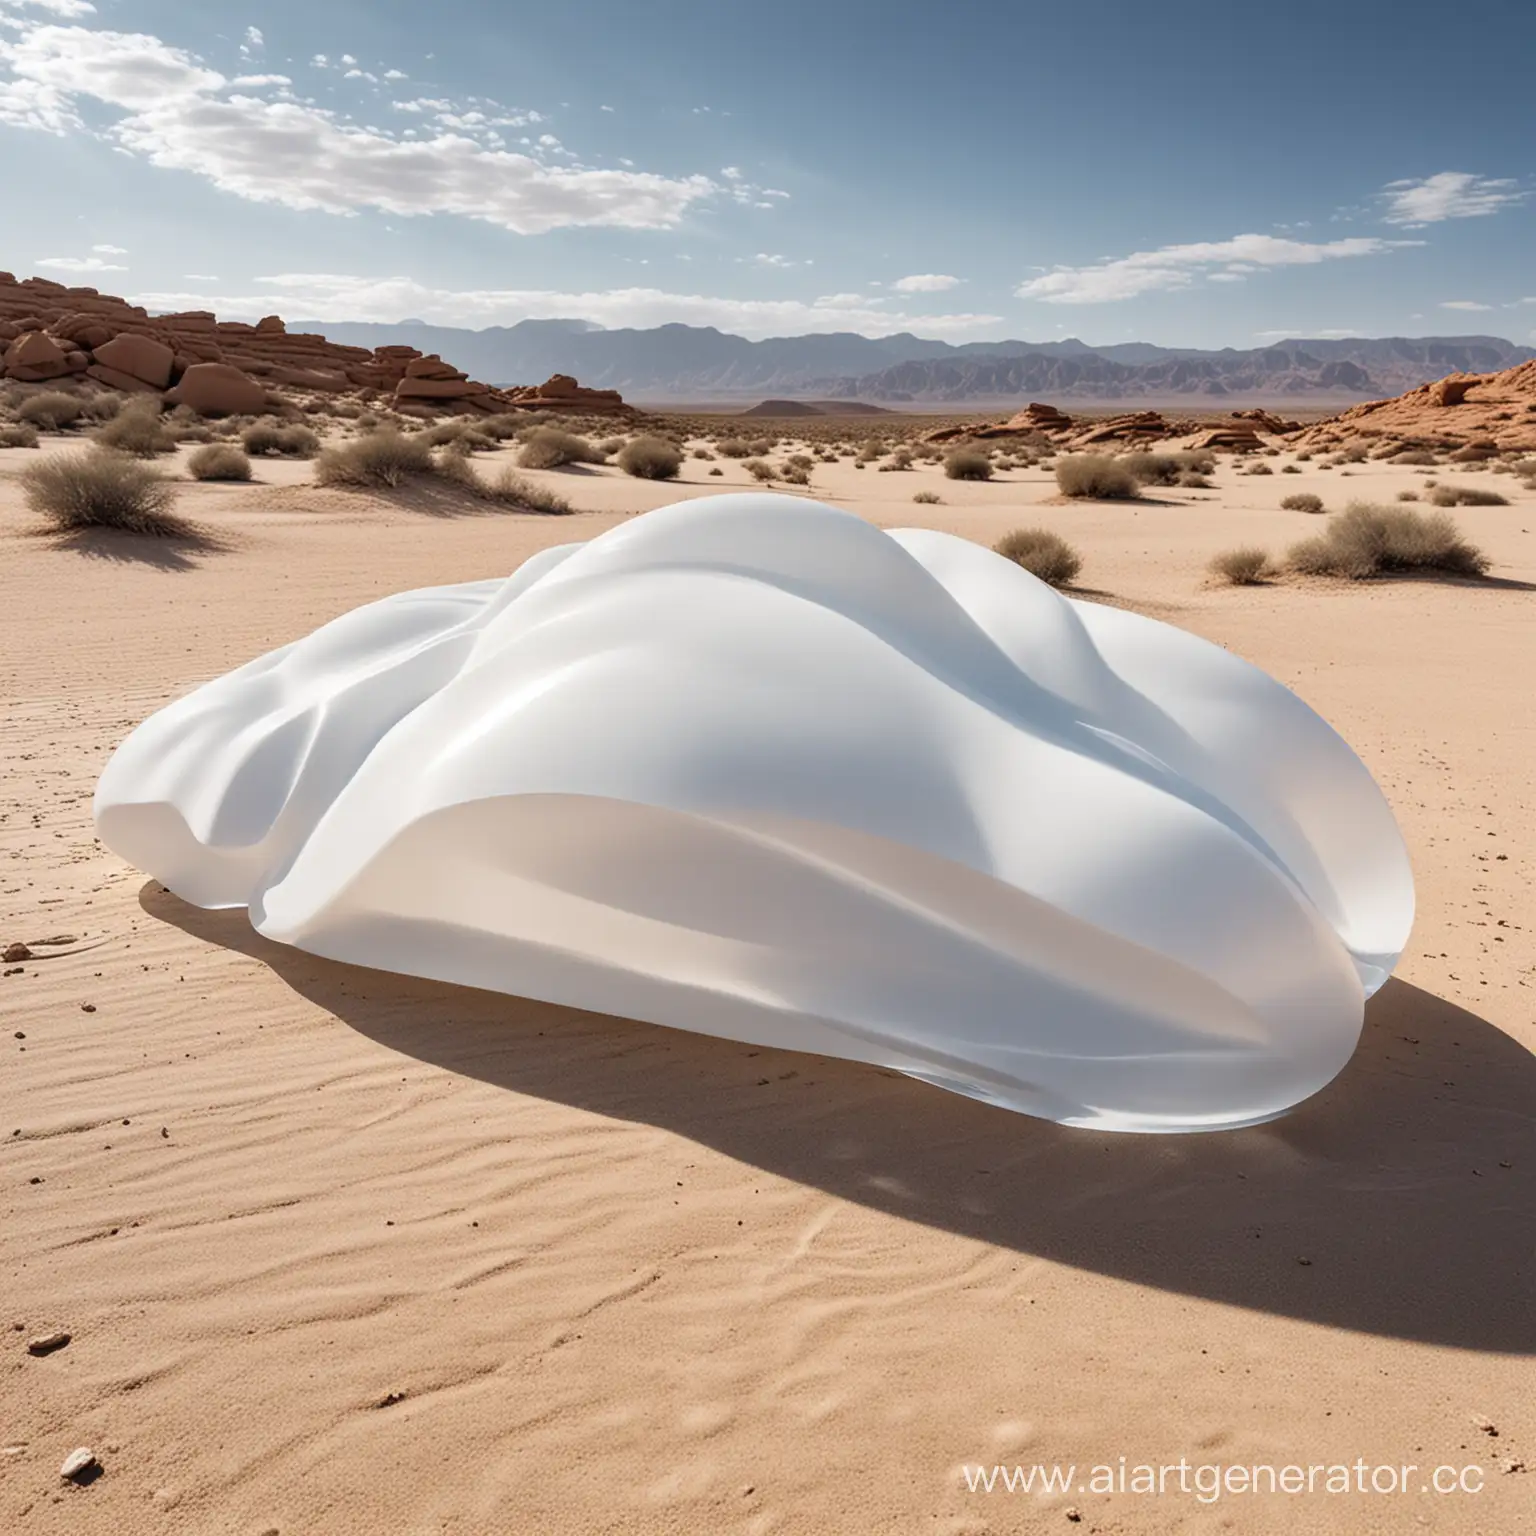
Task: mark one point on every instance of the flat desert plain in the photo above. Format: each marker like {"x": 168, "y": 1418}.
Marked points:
{"x": 344, "y": 1252}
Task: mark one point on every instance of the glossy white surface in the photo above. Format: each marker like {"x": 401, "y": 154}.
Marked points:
{"x": 749, "y": 766}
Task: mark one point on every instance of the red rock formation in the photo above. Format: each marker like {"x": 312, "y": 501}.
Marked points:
{"x": 1499, "y": 408}
{"x": 52, "y": 332}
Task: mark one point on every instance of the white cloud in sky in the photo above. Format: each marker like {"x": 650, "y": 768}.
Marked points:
{"x": 69, "y": 8}
{"x": 1447, "y": 195}
{"x": 181, "y": 115}
{"x": 926, "y": 282}
{"x": 1464, "y": 304}
{"x": 1176, "y": 266}
{"x": 110, "y": 250}
{"x": 332, "y": 296}
{"x": 78, "y": 264}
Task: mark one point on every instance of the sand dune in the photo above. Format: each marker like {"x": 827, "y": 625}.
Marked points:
{"x": 343, "y": 1252}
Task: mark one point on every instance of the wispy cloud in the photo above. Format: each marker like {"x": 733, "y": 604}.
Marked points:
{"x": 1177, "y": 266}
{"x": 110, "y": 250}
{"x": 333, "y": 296}
{"x": 78, "y": 264}
{"x": 1464, "y": 304}
{"x": 1306, "y": 333}
{"x": 774, "y": 259}
{"x": 926, "y": 282}
{"x": 177, "y": 113}
{"x": 1447, "y": 195}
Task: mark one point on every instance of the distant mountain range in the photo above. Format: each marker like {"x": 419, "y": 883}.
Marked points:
{"x": 700, "y": 364}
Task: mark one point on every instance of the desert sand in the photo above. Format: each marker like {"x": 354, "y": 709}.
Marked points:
{"x": 344, "y": 1252}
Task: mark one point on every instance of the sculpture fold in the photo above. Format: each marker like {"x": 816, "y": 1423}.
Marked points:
{"x": 750, "y": 766}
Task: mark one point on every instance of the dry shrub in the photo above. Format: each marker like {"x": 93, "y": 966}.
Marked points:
{"x": 1414, "y": 456}
{"x": 21, "y": 434}
{"x": 219, "y": 461}
{"x": 51, "y": 410}
{"x": 1095, "y": 476}
{"x": 1241, "y": 567}
{"x": 1041, "y": 553}
{"x": 734, "y": 448}
{"x": 102, "y": 489}
{"x": 103, "y": 406}
{"x": 511, "y": 489}
{"x": 137, "y": 429}
{"x": 1167, "y": 468}
{"x": 268, "y": 437}
{"x": 650, "y": 458}
{"x": 927, "y": 498}
{"x": 550, "y": 448}
{"x": 1193, "y": 480}
{"x": 1368, "y": 540}
{"x": 383, "y": 458}
{"x": 759, "y": 469}
{"x": 1407, "y": 495}
{"x": 967, "y": 464}
{"x": 1302, "y": 501}
{"x": 702, "y": 453}
{"x": 717, "y": 470}
{"x": 1466, "y": 496}
{"x": 1260, "y": 469}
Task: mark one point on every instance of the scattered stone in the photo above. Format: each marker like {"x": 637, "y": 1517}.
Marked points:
{"x": 1073, "y": 1514}
{"x": 1487, "y": 1426}
{"x": 87, "y": 1007}
{"x": 1304, "y": 1261}
{"x": 46, "y": 1343}
{"x": 14, "y": 952}
{"x": 80, "y": 1466}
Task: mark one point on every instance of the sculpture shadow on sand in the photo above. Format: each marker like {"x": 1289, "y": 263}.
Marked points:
{"x": 1408, "y": 1182}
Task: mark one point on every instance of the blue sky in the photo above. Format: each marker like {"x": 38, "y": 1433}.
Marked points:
{"x": 1200, "y": 174}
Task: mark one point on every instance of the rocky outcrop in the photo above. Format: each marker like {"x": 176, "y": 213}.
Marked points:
{"x": 50, "y": 332}
{"x": 561, "y": 392}
{"x": 1453, "y": 413}
{"x": 218, "y": 389}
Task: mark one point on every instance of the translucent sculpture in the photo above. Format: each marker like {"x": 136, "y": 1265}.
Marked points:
{"x": 749, "y": 766}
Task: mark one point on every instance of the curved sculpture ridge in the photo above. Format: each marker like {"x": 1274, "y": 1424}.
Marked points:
{"x": 749, "y": 766}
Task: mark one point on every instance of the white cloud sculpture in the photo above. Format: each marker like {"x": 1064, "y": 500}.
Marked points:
{"x": 749, "y": 766}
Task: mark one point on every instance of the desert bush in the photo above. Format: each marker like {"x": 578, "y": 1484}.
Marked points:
{"x": 1302, "y": 501}
{"x": 927, "y": 498}
{"x": 1156, "y": 468}
{"x": 292, "y": 442}
{"x": 101, "y": 489}
{"x": 1193, "y": 480}
{"x": 792, "y": 474}
{"x": 901, "y": 458}
{"x": 759, "y": 469}
{"x": 103, "y": 406}
{"x": 701, "y": 453}
{"x": 550, "y": 448}
{"x": 514, "y": 490}
{"x": 1240, "y": 567}
{"x": 611, "y": 445}
{"x": 1474, "y": 453}
{"x": 219, "y": 461}
{"x": 1414, "y": 456}
{"x": 1095, "y": 476}
{"x": 650, "y": 458}
{"x": 1260, "y": 469}
{"x": 1290, "y": 469}
{"x": 1407, "y": 495}
{"x": 1368, "y": 540}
{"x": 734, "y": 448}
{"x": 382, "y": 458}
{"x": 50, "y": 410}
{"x": 1356, "y": 453}
{"x": 967, "y": 464}
{"x": 1466, "y": 496}
{"x": 21, "y": 434}
{"x": 717, "y": 470}
{"x": 137, "y": 429}
{"x": 445, "y": 432}
{"x": 1041, "y": 553}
